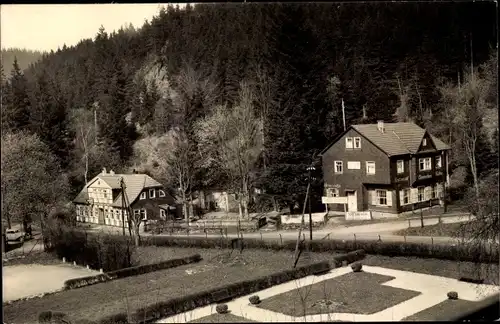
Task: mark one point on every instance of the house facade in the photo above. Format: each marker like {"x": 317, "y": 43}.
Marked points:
{"x": 104, "y": 199}
{"x": 384, "y": 169}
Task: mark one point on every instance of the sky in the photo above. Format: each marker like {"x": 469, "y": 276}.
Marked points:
{"x": 47, "y": 27}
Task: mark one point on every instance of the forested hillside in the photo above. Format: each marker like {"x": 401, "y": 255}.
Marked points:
{"x": 242, "y": 95}
{"x": 24, "y": 58}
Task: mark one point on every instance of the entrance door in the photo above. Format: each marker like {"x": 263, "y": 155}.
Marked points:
{"x": 101, "y": 216}
{"x": 352, "y": 201}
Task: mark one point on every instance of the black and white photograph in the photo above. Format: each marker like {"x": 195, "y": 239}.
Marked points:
{"x": 250, "y": 162}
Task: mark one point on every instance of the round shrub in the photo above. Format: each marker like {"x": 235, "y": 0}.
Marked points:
{"x": 254, "y": 300}
{"x": 356, "y": 267}
{"x": 452, "y": 295}
{"x": 221, "y": 309}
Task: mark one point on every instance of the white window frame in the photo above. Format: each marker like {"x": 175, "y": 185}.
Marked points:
{"x": 143, "y": 195}
{"x": 420, "y": 195}
{"x": 400, "y": 165}
{"x": 351, "y": 165}
{"x": 357, "y": 142}
{"x": 152, "y": 195}
{"x": 144, "y": 215}
{"x": 339, "y": 163}
{"x": 163, "y": 214}
{"x": 161, "y": 193}
{"x": 433, "y": 192}
{"x": 332, "y": 192}
{"x": 105, "y": 193}
{"x": 406, "y": 195}
{"x": 349, "y": 143}
{"x": 379, "y": 196}
{"x": 425, "y": 164}
{"x": 368, "y": 163}
{"x": 439, "y": 162}
{"x": 424, "y": 142}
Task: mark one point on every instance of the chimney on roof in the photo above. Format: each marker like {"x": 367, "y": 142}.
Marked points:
{"x": 103, "y": 170}
{"x": 380, "y": 126}
{"x": 111, "y": 172}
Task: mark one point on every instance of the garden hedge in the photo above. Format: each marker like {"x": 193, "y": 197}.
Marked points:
{"x": 131, "y": 271}
{"x": 174, "y": 306}
{"x": 422, "y": 250}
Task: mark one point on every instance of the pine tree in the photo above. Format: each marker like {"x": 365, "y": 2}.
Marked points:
{"x": 16, "y": 112}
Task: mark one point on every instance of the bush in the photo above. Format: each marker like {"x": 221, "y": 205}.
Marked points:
{"x": 452, "y": 295}
{"x": 47, "y": 317}
{"x": 107, "y": 252}
{"x": 392, "y": 249}
{"x": 356, "y": 267}
{"x": 137, "y": 270}
{"x": 85, "y": 281}
{"x": 254, "y": 300}
{"x": 131, "y": 271}
{"x": 221, "y": 308}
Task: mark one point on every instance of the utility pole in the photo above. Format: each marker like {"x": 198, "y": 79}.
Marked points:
{"x": 95, "y": 121}
{"x": 122, "y": 185}
{"x": 343, "y": 112}
{"x": 310, "y": 168}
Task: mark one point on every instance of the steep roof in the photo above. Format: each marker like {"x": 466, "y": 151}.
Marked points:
{"x": 134, "y": 184}
{"x": 397, "y": 138}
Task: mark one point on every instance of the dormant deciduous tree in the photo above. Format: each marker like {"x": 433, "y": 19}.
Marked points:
{"x": 467, "y": 105}
{"x": 231, "y": 141}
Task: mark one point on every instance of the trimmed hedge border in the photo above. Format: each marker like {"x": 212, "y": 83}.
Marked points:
{"x": 174, "y": 306}
{"x": 128, "y": 272}
{"x": 392, "y": 249}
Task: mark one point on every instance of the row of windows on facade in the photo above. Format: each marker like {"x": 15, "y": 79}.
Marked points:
{"x": 407, "y": 196}
{"x": 108, "y": 213}
{"x": 92, "y": 219}
{"x": 425, "y": 164}
{"x": 355, "y": 142}
{"x": 152, "y": 193}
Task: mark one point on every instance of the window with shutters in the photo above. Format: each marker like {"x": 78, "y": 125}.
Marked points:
{"x": 438, "y": 162}
{"x": 381, "y": 197}
{"x": 349, "y": 143}
{"x": 357, "y": 142}
{"x": 421, "y": 194}
{"x": 339, "y": 167}
{"x": 433, "y": 192}
{"x": 424, "y": 164}
{"x": 401, "y": 166}
{"x": 406, "y": 196}
{"x": 353, "y": 165}
{"x": 370, "y": 167}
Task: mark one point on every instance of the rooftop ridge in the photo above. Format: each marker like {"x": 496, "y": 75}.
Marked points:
{"x": 404, "y": 144}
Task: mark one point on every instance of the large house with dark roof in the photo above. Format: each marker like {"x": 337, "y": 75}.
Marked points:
{"x": 381, "y": 170}
{"x": 101, "y": 201}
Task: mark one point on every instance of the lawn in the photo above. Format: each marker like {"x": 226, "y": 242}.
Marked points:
{"x": 358, "y": 293}
{"x": 442, "y": 229}
{"x": 215, "y": 270}
{"x": 222, "y": 318}
{"x": 443, "y": 268}
{"x": 445, "y": 308}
